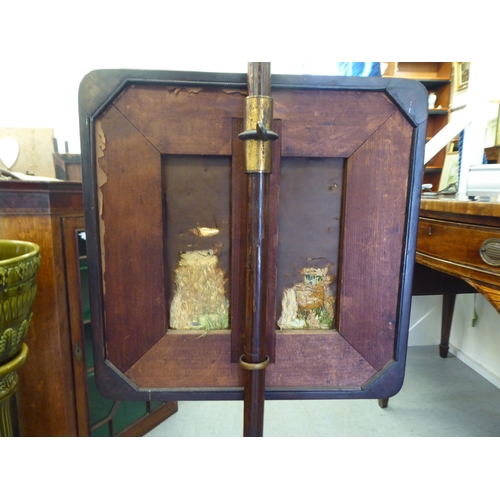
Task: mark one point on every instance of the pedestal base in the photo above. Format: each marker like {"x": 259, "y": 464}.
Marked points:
{"x": 8, "y": 386}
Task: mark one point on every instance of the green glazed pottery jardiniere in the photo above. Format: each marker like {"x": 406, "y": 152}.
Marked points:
{"x": 19, "y": 263}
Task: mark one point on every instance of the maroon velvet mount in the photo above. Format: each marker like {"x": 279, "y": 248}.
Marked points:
{"x": 160, "y": 154}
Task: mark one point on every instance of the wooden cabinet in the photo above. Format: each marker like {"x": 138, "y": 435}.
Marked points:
{"x": 493, "y": 154}
{"x": 437, "y": 78}
{"x": 56, "y": 396}
{"x": 457, "y": 252}
{"x": 461, "y": 238}
{"x": 68, "y": 167}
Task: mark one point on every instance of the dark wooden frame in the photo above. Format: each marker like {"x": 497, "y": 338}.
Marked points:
{"x": 71, "y": 226}
{"x": 363, "y": 136}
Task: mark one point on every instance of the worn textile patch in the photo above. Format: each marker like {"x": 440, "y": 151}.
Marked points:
{"x": 308, "y": 305}
{"x": 200, "y": 301}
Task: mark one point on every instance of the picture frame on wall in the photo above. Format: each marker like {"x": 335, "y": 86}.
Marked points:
{"x": 462, "y": 70}
{"x": 449, "y": 174}
{"x": 453, "y": 146}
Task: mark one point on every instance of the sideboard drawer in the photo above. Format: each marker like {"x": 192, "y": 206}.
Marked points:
{"x": 457, "y": 243}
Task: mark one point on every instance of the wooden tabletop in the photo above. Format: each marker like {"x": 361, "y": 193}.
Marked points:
{"x": 460, "y": 206}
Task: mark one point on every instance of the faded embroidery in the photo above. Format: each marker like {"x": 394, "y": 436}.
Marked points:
{"x": 308, "y": 305}
{"x": 199, "y": 302}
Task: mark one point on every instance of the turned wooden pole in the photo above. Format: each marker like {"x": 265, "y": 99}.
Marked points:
{"x": 258, "y": 167}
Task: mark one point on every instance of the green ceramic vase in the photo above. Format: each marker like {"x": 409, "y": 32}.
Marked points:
{"x": 19, "y": 263}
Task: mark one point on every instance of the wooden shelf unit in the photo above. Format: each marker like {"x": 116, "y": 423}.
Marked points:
{"x": 437, "y": 78}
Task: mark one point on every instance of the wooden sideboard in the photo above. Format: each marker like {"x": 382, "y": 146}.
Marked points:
{"x": 452, "y": 234}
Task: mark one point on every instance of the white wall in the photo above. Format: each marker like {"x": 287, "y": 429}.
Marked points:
{"x": 477, "y": 346}
{"x": 425, "y": 321}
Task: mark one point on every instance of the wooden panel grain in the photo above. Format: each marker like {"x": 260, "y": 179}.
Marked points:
{"x": 374, "y": 229}
{"x": 239, "y": 245}
{"x": 131, "y": 228}
{"x": 322, "y": 123}
{"x": 473, "y": 275}
{"x": 303, "y": 360}
{"x": 171, "y": 117}
{"x": 484, "y": 282}
{"x": 183, "y": 120}
{"x": 186, "y": 359}
{"x": 449, "y": 237}
{"x": 444, "y": 208}
{"x": 309, "y": 218}
{"x": 317, "y": 124}
{"x": 317, "y": 360}
{"x": 40, "y": 197}
{"x": 240, "y": 305}
{"x": 70, "y": 228}
{"x": 197, "y": 194}
{"x": 45, "y": 398}
{"x": 489, "y": 291}
{"x": 444, "y": 240}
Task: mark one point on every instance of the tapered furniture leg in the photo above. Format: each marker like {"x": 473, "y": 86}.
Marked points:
{"x": 446, "y": 319}
{"x": 383, "y": 402}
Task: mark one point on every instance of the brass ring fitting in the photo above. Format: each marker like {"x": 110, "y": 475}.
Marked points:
{"x": 15, "y": 363}
{"x": 254, "y": 366}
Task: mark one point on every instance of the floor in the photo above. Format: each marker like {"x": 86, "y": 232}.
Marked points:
{"x": 440, "y": 397}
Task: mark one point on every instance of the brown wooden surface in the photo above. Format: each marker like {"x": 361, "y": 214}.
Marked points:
{"x": 208, "y": 113}
{"x": 239, "y": 240}
{"x": 307, "y": 117}
{"x": 147, "y": 423}
{"x": 46, "y": 396}
{"x": 450, "y": 235}
{"x": 257, "y": 282}
{"x": 310, "y": 204}
{"x": 437, "y": 77}
{"x": 315, "y": 359}
{"x": 196, "y": 192}
{"x": 373, "y": 233}
{"x": 445, "y": 240}
{"x": 70, "y": 228}
{"x": 40, "y": 197}
{"x": 493, "y": 154}
{"x": 423, "y": 70}
{"x": 68, "y": 167}
{"x": 257, "y": 278}
{"x": 481, "y": 209}
{"x": 446, "y": 320}
{"x": 183, "y": 120}
{"x": 132, "y": 245}
{"x": 239, "y": 244}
